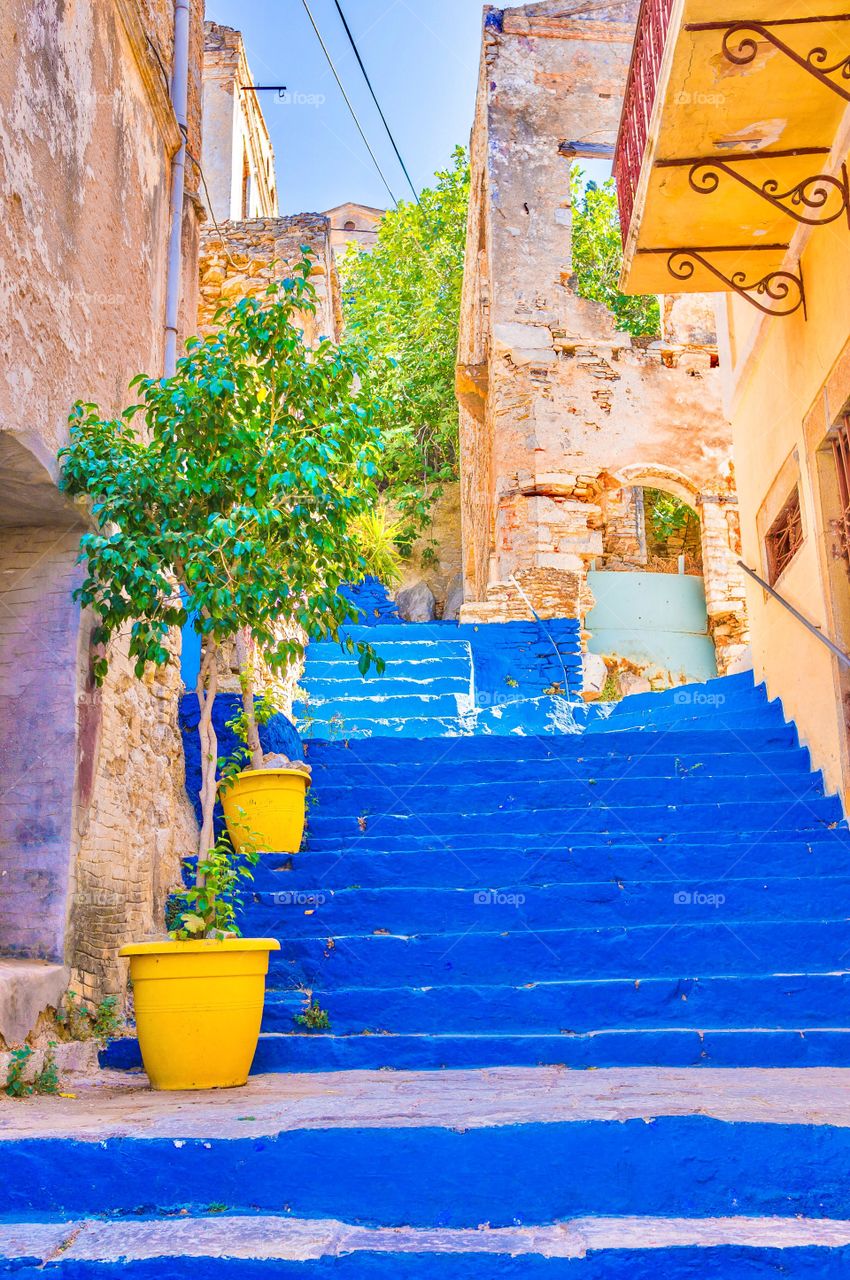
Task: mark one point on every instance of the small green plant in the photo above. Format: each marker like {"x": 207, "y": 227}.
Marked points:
{"x": 74, "y": 1016}
{"x": 314, "y": 1017}
{"x": 611, "y": 688}
{"x": 107, "y": 1023}
{"x": 208, "y": 908}
{"x": 47, "y": 1077}
{"x": 16, "y": 1085}
{"x": 82, "y": 1022}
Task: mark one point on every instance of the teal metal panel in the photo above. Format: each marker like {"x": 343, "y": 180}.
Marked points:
{"x": 652, "y": 618}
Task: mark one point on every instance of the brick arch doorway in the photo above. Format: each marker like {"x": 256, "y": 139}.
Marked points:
{"x": 713, "y": 558}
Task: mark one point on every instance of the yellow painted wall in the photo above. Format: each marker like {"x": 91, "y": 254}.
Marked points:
{"x": 789, "y": 385}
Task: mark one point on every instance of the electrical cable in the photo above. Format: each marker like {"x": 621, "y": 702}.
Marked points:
{"x": 353, "y": 44}
{"x": 348, "y": 103}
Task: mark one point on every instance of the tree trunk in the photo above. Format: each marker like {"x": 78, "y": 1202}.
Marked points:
{"x": 244, "y": 656}
{"x": 206, "y": 688}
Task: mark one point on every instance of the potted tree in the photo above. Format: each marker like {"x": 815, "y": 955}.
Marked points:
{"x": 234, "y": 508}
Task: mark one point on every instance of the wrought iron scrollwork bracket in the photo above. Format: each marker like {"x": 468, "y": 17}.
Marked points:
{"x": 741, "y": 46}
{"x": 777, "y": 293}
{"x": 816, "y": 200}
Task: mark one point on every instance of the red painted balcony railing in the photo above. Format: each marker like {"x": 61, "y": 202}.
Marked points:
{"x": 650, "y": 35}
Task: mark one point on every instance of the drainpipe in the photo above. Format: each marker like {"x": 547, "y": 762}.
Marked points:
{"x": 179, "y": 100}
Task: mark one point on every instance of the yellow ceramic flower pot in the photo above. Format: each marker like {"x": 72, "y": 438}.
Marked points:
{"x": 198, "y": 1008}
{"x": 264, "y": 809}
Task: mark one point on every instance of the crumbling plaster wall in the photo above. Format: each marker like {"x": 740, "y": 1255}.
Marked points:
{"x": 87, "y": 135}
{"x": 557, "y": 407}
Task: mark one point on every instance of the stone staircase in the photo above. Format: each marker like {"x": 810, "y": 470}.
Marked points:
{"x": 657, "y": 892}
{"x": 670, "y": 886}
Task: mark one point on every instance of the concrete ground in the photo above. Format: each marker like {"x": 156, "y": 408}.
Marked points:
{"x": 114, "y": 1104}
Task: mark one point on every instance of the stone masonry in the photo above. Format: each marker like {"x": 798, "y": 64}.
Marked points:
{"x": 559, "y": 413}
{"x": 93, "y": 816}
{"x": 239, "y": 259}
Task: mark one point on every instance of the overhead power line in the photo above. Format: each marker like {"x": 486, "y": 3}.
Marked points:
{"x": 353, "y": 44}
{"x": 348, "y": 100}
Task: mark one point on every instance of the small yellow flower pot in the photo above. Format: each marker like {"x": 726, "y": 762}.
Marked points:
{"x": 264, "y": 809}
{"x": 198, "y": 1008}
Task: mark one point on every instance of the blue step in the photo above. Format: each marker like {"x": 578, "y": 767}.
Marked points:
{"x": 555, "y": 954}
{"x": 330, "y": 689}
{"x": 476, "y": 864}
{"x": 509, "y": 905}
{"x": 637, "y": 1263}
{"x": 602, "y": 817}
{"x": 443, "y": 791}
{"x": 623, "y": 745}
{"x": 653, "y": 1047}
{"x": 736, "y": 1002}
{"x": 426, "y": 1176}
{"x": 538, "y": 766}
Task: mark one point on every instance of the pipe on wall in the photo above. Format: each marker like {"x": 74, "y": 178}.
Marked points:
{"x": 179, "y": 101}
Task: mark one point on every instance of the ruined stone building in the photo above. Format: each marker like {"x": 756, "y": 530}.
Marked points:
{"x": 563, "y": 419}
{"x": 238, "y": 157}
{"x": 93, "y": 812}
{"x": 353, "y": 224}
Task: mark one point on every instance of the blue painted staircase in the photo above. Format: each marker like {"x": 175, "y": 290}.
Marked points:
{"x": 664, "y": 884}
{"x": 503, "y": 883}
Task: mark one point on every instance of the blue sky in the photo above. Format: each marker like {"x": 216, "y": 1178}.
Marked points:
{"x": 422, "y": 56}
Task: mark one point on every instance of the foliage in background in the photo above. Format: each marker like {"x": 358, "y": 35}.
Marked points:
{"x": 668, "y": 517}
{"x": 403, "y": 301}
{"x": 257, "y": 456}
{"x": 598, "y": 256}
{"x": 378, "y": 537}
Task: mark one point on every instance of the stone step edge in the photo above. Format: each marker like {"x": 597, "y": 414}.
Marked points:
{"x": 269, "y": 1238}
{"x": 412, "y": 1098}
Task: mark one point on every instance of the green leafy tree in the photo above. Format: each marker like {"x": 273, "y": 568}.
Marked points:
{"x": 598, "y": 256}
{"x": 403, "y": 300}
{"x": 233, "y": 506}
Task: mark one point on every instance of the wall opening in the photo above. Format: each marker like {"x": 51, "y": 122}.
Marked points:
{"x": 650, "y": 618}
{"x": 39, "y": 646}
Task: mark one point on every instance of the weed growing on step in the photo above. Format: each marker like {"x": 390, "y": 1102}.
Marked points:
{"x": 314, "y": 1017}
{"x": 47, "y": 1079}
{"x": 102, "y": 1023}
{"x": 16, "y": 1085}
{"x": 611, "y": 691}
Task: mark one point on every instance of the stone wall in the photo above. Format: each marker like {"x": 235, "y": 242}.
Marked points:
{"x": 239, "y": 260}
{"x": 436, "y": 557}
{"x": 558, "y": 410}
{"x": 91, "y": 816}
